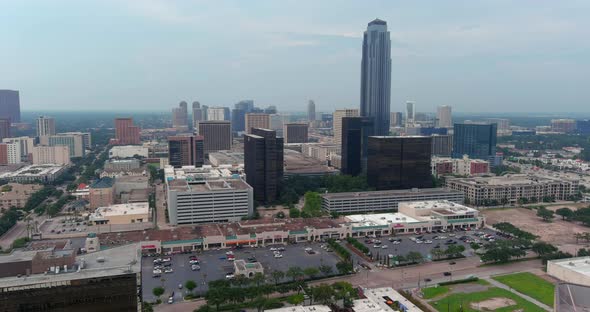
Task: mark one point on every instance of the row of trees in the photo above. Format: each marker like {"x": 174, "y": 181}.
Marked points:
{"x": 453, "y": 251}
{"x": 582, "y": 215}
{"x": 510, "y": 229}
{"x": 292, "y": 188}
{"x": 358, "y": 245}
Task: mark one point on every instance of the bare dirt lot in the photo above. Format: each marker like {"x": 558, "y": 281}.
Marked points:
{"x": 492, "y": 304}
{"x": 557, "y": 232}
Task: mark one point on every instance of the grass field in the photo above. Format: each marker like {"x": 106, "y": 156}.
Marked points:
{"x": 530, "y": 285}
{"x": 432, "y": 292}
{"x": 455, "y": 301}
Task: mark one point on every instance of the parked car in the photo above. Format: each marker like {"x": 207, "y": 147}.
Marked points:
{"x": 195, "y": 267}
{"x": 447, "y": 274}
{"x": 169, "y": 270}
{"x": 229, "y": 276}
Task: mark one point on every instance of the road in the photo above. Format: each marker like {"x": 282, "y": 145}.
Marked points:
{"x": 160, "y": 207}
{"x": 19, "y": 230}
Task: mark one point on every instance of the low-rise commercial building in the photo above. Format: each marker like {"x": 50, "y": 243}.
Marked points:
{"x": 122, "y": 164}
{"x": 381, "y": 299}
{"x": 571, "y": 270}
{"x": 117, "y": 173}
{"x": 34, "y": 173}
{"x": 16, "y": 195}
{"x": 121, "y": 214}
{"x": 365, "y": 202}
{"x": 125, "y": 184}
{"x": 248, "y": 269}
{"x": 297, "y": 163}
{"x": 226, "y": 158}
{"x": 512, "y": 188}
{"x": 128, "y": 151}
{"x": 320, "y": 151}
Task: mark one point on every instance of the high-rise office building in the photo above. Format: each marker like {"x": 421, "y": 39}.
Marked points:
{"x": 355, "y": 134}
{"x": 478, "y": 141}
{"x": 4, "y": 128}
{"x": 238, "y": 120}
{"x": 270, "y": 110}
{"x": 376, "y": 75}
{"x": 399, "y": 162}
{"x": 216, "y": 135}
{"x": 443, "y": 116}
{"x": 204, "y": 109}
{"x": 410, "y": 114}
{"x": 186, "y": 150}
{"x": 125, "y": 132}
{"x": 337, "y": 122}
{"x": 197, "y": 115}
{"x": 180, "y": 117}
{"x": 263, "y": 163}
{"x": 245, "y": 105}
{"x": 311, "y": 111}
{"x": 442, "y": 145}
{"x": 295, "y": 132}
{"x": 257, "y": 121}
{"x": 277, "y": 123}
{"x": 396, "y": 119}
{"x": 45, "y": 126}
{"x": 10, "y": 105}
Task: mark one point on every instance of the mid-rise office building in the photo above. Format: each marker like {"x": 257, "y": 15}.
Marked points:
{"x": 197, "y": 115}
{"x": 399, "y": 162}
{"x": 180, "y": 117}
{"x": 86, "y": 138}
{"x": 45, "y": 126}
{"x": 376, "y": 76}
{"x": 459, "y": 166}
{"x": 4, "y": 128}
{"x": 337, "y": 122}
{"x": 563, "y": 125}
{"x": 59, "y": 155}
{"x": 311, "y": 111}
{"x": 442, "y": 145}
{"x": 245, "y": 105}
{"x": 320, "y": 151}
{"x": 254, "y": 120}
{"x": 444, "y": 117}
{"x": 26, "y": 146}
{"x": 126, "y": 133}
{"x": 102, "y": 193}
{"x": 73, "y": 141}
{"x": 263, "y": 163}
{"x": 10, "y": 105}
{"x": 355, "y": 134}
{"x": 475, "y": 140}
{"x": 186, "y": 150}
{"x": 375, "y": 201}
{"x": 295, "y": 133}
{"x": 512, "y": 188}
{"x": 396, "y": 119}
{"x": 193, "y": 200}
{"x": 502, "y": 124}
{"x": 216, "y": 135}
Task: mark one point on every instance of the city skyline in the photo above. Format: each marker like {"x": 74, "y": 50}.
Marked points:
{"x": 462, "y": 56}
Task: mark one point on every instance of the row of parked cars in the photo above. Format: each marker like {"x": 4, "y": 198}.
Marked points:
{"x": 162, "y": 265}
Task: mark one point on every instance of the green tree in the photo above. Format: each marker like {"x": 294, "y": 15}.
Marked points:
{"x": 277, "y": 276}
{"x": 294, "y": 273}
{"x": 296, "y": 299}
{"x": 545, "y": 214}
{"x": 414, "y": 256}
{"x": 146, "y": 307}
{"x": 323, "y": 294}
{"x": 437, "y": 253}
{"x": 502, "y": 251}
{"x": 543, "y": 248}
{"x": 294, "y": 213}
{"x": 258, "y": 278}
{"x": 565, "y": 213}
{"x": 158, "y": 291}
{"x": 344, "y": 267}
{"x": 216, "y": 297}
{"x": 326, "y": 269}
{"x": 190, "y": 285}
{"x": 313, "y": 204}
{"x": 311, "y": 272}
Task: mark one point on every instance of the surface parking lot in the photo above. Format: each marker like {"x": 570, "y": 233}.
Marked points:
{"x": 407, "y": 244}
{"x": 215, "y": 266}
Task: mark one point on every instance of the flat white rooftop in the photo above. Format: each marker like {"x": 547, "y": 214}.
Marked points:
{"x": 380, "y": 219}
{"x": 205, "y": 172}
{"x": 34, "y": 171}
{"x": 579, "y": 265}
{"x": 311, "y": 308}
{"x": 121, "y": 209}
{"x": 377, "y": 300}
{"x": 447, "y": 207}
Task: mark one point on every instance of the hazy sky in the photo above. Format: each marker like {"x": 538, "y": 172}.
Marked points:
{"x": 480, "y": 55}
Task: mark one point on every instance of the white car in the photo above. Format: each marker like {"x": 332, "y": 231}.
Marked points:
{"x": 171, "y": 300}
{"x": 278, "y": 255}
{"x": 384, "y": 247}
{"x": 308, "y": 249}
{"x": 273, "y": 249}
{"x": 419, "y": 241}
{"x": 229, "y": 276}
{"x": 195, "y": 267}
{"x": 169, "y": 270}
{"x": 157, "y": 271}
{"x": 396, "y": 242}
{"x": 375, "y": 246}
{"x": 427, "y": 242}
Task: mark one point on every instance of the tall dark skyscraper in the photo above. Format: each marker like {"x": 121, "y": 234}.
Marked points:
{"x": 263, "y": 163}
{"x": 355, "y": 134}
{"x": 10, "y": 105}
{"x": 186, "y": 151}
{"x": 476, "y": 140}
{"x": 217, "y": 135}
{"x": 399, "y": 162}
{"x": 245, "y": 105}
{"x": 238, "y": 120}
{"x": 4, "y": 128}
{"x": 311, "y": 111}
{"x": 376, "y": 76}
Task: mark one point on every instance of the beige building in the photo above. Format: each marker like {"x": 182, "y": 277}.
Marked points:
{"x": 59, "y": 155}
{"x": 121, "y": 214}
{"x": 337, "y": 122}
{"x": 257, "y": 121}
{"x": 102, "y": 193}
{"x": 571, "y": 270}
{"x": 16, "y": 195}
{"x": 241, "y": 267}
